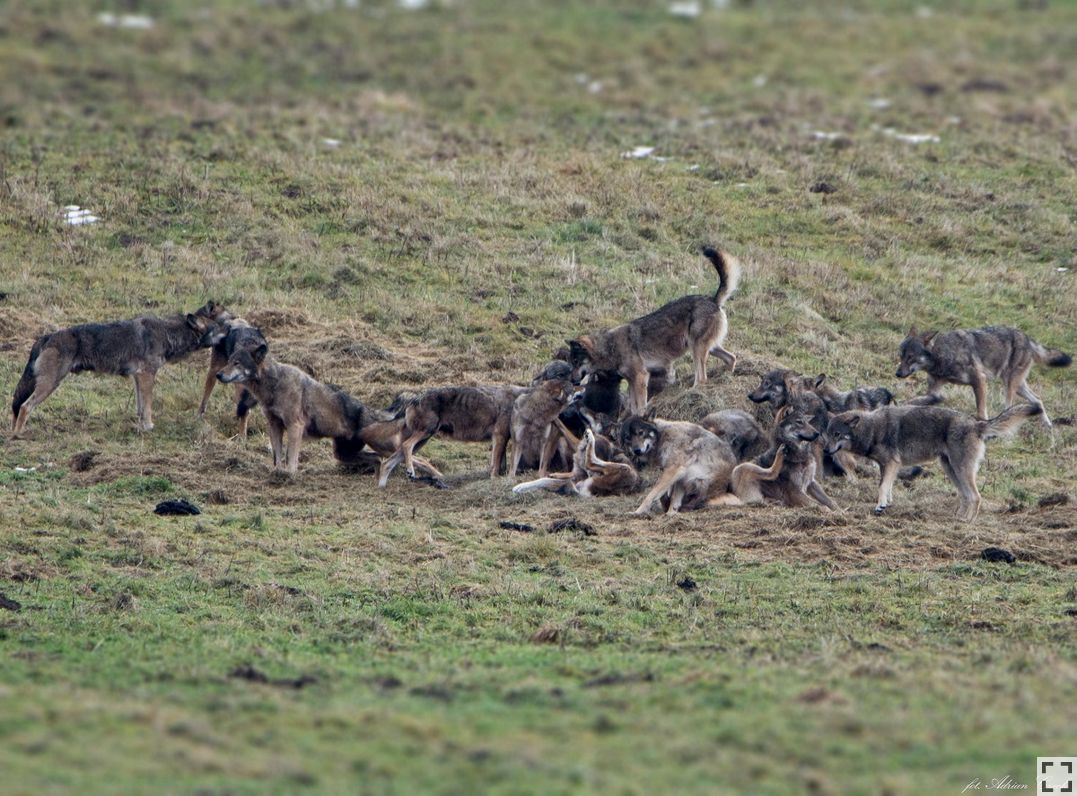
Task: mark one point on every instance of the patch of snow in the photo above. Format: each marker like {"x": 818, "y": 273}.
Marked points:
{"x": 880, "y": 103}
{"x": 910, "y": 138}
{"x": 77, "y": 216}
{"x": 1062, "y": 269}
{"x": 26, "y": 469}
{"x": 693, "y": 167}
{"x": 686, "y": 8}
{"x": 638, "y": 152}
{"x": 824, "y": 135}
{"x": 129, "y": 21}
{"x": 331, "y": 143}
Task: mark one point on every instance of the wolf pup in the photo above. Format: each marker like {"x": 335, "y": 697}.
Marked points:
{"x": 138, "y": 347}
{"x": 695, "y": 464}
{"x": 294, "y": 404}
{"x": 695, "y": 323}
{"x": 467, "y": 414}
{"x": 238, "y": 335}
{"x": 972, "y": 356}
{"x": 897, "y": 435}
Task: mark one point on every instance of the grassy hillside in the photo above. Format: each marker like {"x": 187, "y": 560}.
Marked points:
{"x": 406, "y": 198}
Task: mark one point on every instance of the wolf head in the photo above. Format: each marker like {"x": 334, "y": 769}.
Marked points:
{"x": 795, "y": 426}
{"x": 243, "y": 366}
{"x": 773, "y": 387}
{"x": 211, "y": 322}
{"x": 839, "y": 432}
{"x": 639, "y": 435}
{"x": 581, "y": 357}
{"x": 914, "y": 354}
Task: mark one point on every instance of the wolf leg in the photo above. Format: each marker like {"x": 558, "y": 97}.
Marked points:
{"x": 295, "y": 439}
{"x": 888, "y": 474}
{"x": 1033, "y": 399}
{"x": 144, "y": 382}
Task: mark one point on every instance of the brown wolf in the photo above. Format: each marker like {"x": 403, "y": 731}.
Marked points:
{"x": 695, "y": 464}
{"x": 786, "y": 472}
{"x": 598, "y": 469}
{"x": 695, "y": 323}
{"x": 238, "y": 334}
{"x": 467, "y": 414}
{"x": 897, "y": 435}
{"x": 534, "y": 439}
{"x": 972, "y": 356}
{"x": 138, "y": 347}
{"x": 295, "y": 404}
{"x": 379, "y": 437}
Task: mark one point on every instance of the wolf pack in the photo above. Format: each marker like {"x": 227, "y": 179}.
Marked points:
{"x": 575, "y": 426}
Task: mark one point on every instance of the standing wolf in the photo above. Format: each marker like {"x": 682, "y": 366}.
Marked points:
{"x": 972, "y": 356}
{"x": 651, "y": 343}
{"x": 897, "y": 435}
{"x": 138, "y": 347}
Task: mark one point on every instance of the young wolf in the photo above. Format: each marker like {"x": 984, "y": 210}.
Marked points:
{"x": 598, "y": 469}
{"x": 696, "y": 323}
{"x": 972, "y": 356}
{"x": 237, "y": 335}
{"x": 138, "y": 347}
{"x": 294, "y": 404}
{"x": 534, "y": 440}
{"x": 897, "y": 435}
{"x": 695, "y": 464}
{"x": 866, "y": 398}
{"x": 467, "y": 414}
{"x": 786, "y": 472}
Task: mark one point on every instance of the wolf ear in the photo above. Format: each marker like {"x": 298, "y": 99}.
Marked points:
{"x": 779, "y": 416}
{"x": 852, "y": 421}
{"x": 928, "y": 336}
{"x": 650, "y": 413}
{"x": 912, "y": 332}
{"x": 259, "y": 353}
{"x": 194, "y": 321}
{"x": 819, "y": 380}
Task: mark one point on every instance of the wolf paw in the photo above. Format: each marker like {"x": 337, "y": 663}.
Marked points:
{"x": 879, "y": 510}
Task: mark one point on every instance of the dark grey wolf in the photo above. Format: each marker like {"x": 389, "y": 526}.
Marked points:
{"x": 294, "y": 404}
{"x": 534, "y": 440}
{"x": 866, "y": 398}
{"x": 786, "y": 472}
{"x": 691, "y": 323}
{"x": 739, "y": 429}
{"x": 598, "y": 469}
{"x": 695, "y": 464}
{"x": 466, "y": 414}
{"x": 897, "y": 435}
{"x": 138, "y": 347}
{"x": 238, "y": 335}
{"x": 972, "y": 356}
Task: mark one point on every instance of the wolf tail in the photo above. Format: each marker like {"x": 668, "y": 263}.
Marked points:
{"x": 1051, "y": 357}
{"x": 25, "y": 388}
{"x": 728, "y": 273}
{"x": 1007, "y": 423}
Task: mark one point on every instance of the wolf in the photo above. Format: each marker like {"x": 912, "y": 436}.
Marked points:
{"x": 531, "y": 426}
{"x": 695, "y": 464}
{"x": 972, "y": 356}
{"x": 237, "y": 334}
{"x": 296, "y": 405}
{"x": 138, "y": 347}
{"x": 739, "y": 429}
{"x": 897, "y": 435}
{"x": 378, "y": 438}
{"x": 786, "y": 472}
{"x": 599, "y": 469}
{"x": 633, "y": 350}
{"x": 467, "y": 414}
{"x": 866, "y": 398}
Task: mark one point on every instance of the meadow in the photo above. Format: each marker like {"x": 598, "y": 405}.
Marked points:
{"x": 404, "y": 198}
